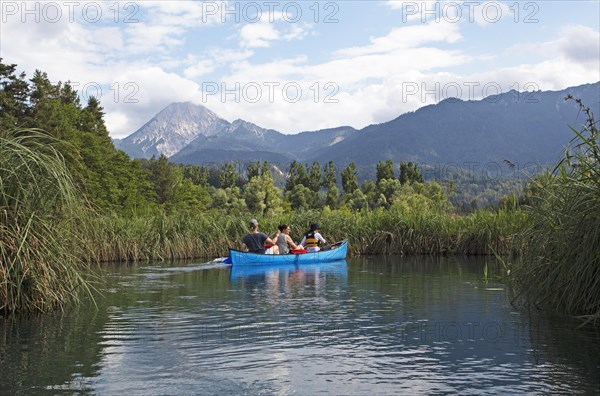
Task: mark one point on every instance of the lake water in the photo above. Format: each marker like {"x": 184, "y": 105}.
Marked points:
{"x": 368, "y": 326}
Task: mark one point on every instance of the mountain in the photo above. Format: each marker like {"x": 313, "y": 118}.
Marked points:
{"x": 239, "y": 141}
{"x": 244, "y": 141}
{"x": 189, "y": 133}
{"x": 171, "y": 130}
{"x": 524, "y": 128}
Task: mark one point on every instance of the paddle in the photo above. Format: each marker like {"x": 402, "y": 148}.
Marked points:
{"x": 329, "y": 247}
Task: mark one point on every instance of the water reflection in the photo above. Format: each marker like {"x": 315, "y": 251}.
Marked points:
{"x": 339, "y": 269}
{"x": 366, "y": 326}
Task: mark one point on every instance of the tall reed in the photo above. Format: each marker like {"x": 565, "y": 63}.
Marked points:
{"x": 39, "y": 263}
{"x": 560, "y": 269}
{"x": 156, "y": 236}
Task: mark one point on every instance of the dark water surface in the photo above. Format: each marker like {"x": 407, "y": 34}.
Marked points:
{"x": 368, "y": 326}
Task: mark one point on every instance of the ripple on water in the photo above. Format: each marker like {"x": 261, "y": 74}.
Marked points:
{"x": 195, "y": 329}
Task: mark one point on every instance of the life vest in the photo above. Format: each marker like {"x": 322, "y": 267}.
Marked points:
{"x": 311, "y": 241}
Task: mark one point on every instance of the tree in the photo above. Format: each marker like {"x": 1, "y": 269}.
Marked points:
{"x": 389, "y": 189}
{"x": 198, "y": 175}
{"x": 314, "y": 178}
{"x": 228, "y": 199}
{"x": 265, "y": 170}
{"x": 41, "y": 90}
{"x": 191, "y": 196}
{"x": 107, "y": 177}
{"x": 261, "y": 195}
{"x": 92, "y": 119}
{"x": 385, "y": 170}
{"x": 14, "y": 93}
{"x": 410, "y": 173}
{"x": 297, "y": 175}
{"x": 333, "y": 196}
{"x": 165, "y": 178}
{"x": 253, "y": 170}
{"x": 273, "y": 195}
{"x": 301, "y": 197}
{"x": 371, "y": 192}
{"x": 329, "y": 175}
{"x": 349, "y": 180}
{"x": 254, "y": 196}
{"x": 356, "y": 200}
{"x": 228, "y": 176}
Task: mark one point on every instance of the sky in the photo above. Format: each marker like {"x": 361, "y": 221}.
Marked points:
{"x": 299, "y": 66}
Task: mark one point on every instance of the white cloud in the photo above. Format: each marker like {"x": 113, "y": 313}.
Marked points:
{"x": 258, "y": 35}
{"x": 377, "y": 81}
{"x": 199, "y": 68}
{"x": 298, "y": 32}
{"x": 150, "y": 91}
{"x": 576, "y": 47}
{"x": 580, "y": 44}
{"x": 268, "y": 30}
{"x": 162, "y": 54}
{"x": 230, "y": 56}
{"x": 144, "y": 38}
{"x": 184, "y": 13}
{"x": 407, "y": 37}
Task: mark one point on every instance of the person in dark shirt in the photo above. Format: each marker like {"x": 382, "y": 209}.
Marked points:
{"x": 255, "y": 241}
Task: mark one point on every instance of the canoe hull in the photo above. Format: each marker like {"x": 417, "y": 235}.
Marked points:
{"x": 244, "y": 258}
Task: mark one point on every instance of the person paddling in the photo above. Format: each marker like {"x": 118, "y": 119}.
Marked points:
{"x": 284, "y": 240}
{"x": 255, "y": 241}
{"x": 312, "y": 239}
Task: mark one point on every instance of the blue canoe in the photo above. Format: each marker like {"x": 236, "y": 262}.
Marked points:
{"x": 238, "y": 257}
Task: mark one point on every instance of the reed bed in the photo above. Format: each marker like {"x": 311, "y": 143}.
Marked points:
{"x": 39, "y": 267}
{"x": 157, "y": 236}
{"x": 560, "y": 269}
{"x": 206, "y": 235}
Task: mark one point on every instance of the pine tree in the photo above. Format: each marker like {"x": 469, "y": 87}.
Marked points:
{"x": 349, "y": 179}
{"x": 165, "y": 178}
{"x": 253, "y": 170}
{"x": 228, "y": 176}
{"x": 410, "y": 173}
{"x": 314, "y": 179}
{"x": 14, "y": 94}
{"x": 385, "y": 170}
{"x": 330, "y": 183}
{"x": 329, "y": 175}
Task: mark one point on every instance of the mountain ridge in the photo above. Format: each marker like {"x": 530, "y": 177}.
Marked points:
{"x": 523, "y": 127}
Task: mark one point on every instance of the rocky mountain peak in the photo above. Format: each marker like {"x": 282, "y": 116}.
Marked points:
{"x": 172, "y": 129}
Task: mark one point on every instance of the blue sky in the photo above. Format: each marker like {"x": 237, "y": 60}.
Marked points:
{"x": 304, "y": 65}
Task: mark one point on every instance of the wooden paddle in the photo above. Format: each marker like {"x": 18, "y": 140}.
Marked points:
{"x": 329, "y": 247}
